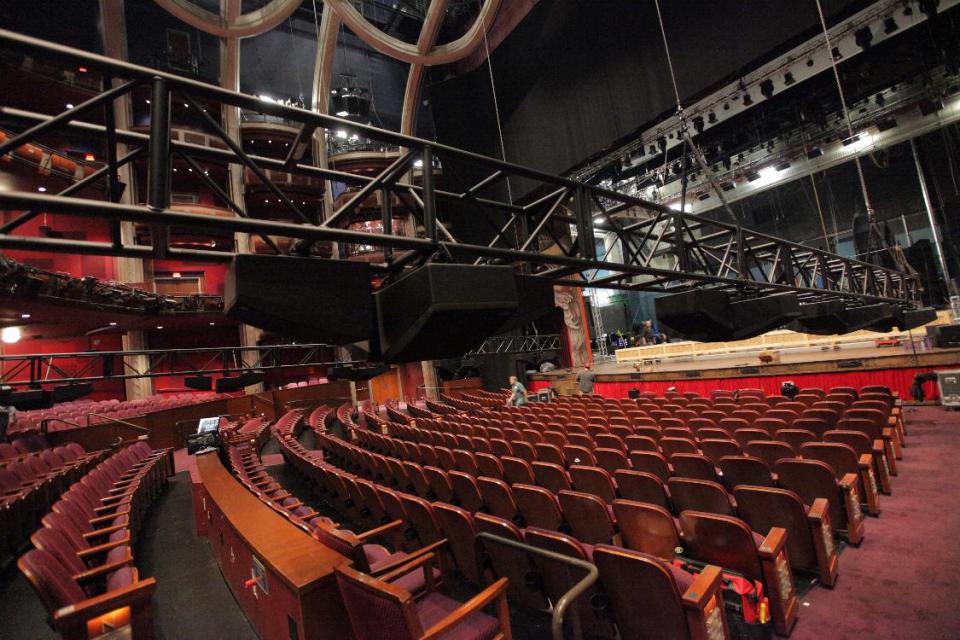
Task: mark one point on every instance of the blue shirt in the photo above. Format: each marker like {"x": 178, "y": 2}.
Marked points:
{"x": 518, "y": 399}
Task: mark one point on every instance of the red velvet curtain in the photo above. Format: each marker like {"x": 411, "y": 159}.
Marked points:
{"x": 899, "y": 380}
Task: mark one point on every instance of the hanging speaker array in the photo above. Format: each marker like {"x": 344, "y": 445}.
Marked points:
{"x": 711, "y": 315}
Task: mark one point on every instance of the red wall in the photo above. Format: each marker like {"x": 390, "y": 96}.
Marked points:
{"x": 103, "y": 390}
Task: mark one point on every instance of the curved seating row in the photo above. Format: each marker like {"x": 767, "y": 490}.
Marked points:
{"x": 82, "y": 566}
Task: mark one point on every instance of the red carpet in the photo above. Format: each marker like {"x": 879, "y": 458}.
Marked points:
{"x": 904, "y": 580}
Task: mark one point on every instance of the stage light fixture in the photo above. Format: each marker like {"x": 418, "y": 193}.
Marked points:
{"x": 11, "y": 335}
{"x": 930, "y": 106}
{"x": 753, "y": 176}
{"x": 712, "y": 118}
{"x": 698, "y": 124}
{"x": 728, "y": 186}
{"x": 788, "y": 78}
{"x": 886, "y": 124}
{"x": 835, "y": 52}
{"x": 783, "y": 165}
{"x": 703, "y": 196}
{"x": 863, "y": 37}
{"x": 929, "y": 7}
{"x": 880, "y": 100}
{"x": 766, "y": 88}
{"x": 726, "y": 163}
{"x": 890, "y": 25}
{"x": 850, "y": 140}
{"x": 652, "y": 150}
{"x": 747, "y": 100}
{"x": 662, "y": 143}
{"x": 814, "y": 152}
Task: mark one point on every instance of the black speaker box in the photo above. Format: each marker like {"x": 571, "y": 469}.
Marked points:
{"x": 944, "y": 335}
{"x": 443, "y": 310}
{"x": 822, "y": 318}
{"x": 31, "y": 399}
{"x": 756, "y": 316}
{"x": 229, "y": 383}
{"x": 701, "y": 314}
{"x": 307, "y": 298}
{"x": 880, "y": 315}
{"x": 67, "y": 392}
{"x": 249, "y": 378}
{"x": 357, "y": 373}
{"x": 534, "y": 299}
{"x": 913, "y": 318}
{"x": 711, "y": 316}
{"x": 200, "y": 383}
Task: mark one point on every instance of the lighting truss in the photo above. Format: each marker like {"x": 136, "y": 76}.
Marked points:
{"x": 552, "y": 236}
{"x": 32, "y": 370}
{"x": 517, "y": 344}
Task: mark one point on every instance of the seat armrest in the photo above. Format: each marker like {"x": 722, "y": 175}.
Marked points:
{"x": 411, "y": 557}
{"x": 101, "y": 548}
{"x": 103, "y": 569}
{"x": 818, "y": 511}
{"x": 773, "y": 543}
{"x": 497, "y": 590}
{"x": 393, "y": 526}
{"x": 703, "y": 605}
{"x": 71, "y": 621}
{"x": 103, "y": 519}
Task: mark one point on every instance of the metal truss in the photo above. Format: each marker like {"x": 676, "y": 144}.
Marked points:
{"x": 517, "y": 344}
{"x": 553, "y": 236}
{"x": 34, "y": 370}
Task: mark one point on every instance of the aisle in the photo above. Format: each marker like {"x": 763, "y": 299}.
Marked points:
{"x": 903, "y": 581}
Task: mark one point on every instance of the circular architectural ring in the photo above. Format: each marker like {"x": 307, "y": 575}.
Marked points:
{"x": 400, "y": 50}
{"x": 248, "y": 24}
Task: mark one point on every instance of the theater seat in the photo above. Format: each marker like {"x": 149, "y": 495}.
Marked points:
{"x": 728, "y": 542}
{"x": 539, "y": 507}
{"x": 458, "y": 528}
{"x": 810, "y": 543}
{"x": 647, "y": 528}
{"x": 525, "y": 587}
{"x": 594, "y": 480}
{"x": 812, "y": 479}
{"x": 498, "y": 499}
{"x": 399, "y": 617}
{"x": 590, "y": 518}
{"x": 642, "y": 487}
{"x": 676, "y": 604}
{"x": 699, "y": 495}
{"x": 746, "y": 470}
{"x": 843, "y": 460}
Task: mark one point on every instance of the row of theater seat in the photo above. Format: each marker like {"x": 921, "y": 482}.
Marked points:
{"x": 65, "y": 415}
{"x": 622, "y": 570}
{"x": 31, "y": 481}
{"x": 81, "y": 565}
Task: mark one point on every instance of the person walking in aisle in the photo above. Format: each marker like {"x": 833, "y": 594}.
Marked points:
{"x": 585, "y": 380}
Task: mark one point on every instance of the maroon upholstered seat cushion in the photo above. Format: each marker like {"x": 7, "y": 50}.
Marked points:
{"x": 476, "y": 626}
{"x": 121, "y": 578}
{"x": 683, "y": 578}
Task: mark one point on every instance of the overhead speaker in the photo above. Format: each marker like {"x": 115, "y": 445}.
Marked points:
{"x": 68, "y": 392}
{"x": 31, "y": 399}
{"x": 534, "y": 299}
{"x": 199, "y": 383}
{"x": 944, "y": 335}
{"x": 756, "y": 316}
{"x": 881, "y": 315}
{"x": 307, "y": 298}
{"x": 358, "y": 372}
{"x": 239, "y": 382}
{"x": 821, "y": 318}
{"x": 701, "y": 314}
{"x": 913, "y": 318}
{"x": 443, "y": 310}
{"x": 708, "y": 315}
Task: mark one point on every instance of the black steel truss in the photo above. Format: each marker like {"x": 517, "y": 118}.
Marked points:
{"x": 33, "y": 370}
{"x": 659, "y": 249}
{"x": 517, "y": 344}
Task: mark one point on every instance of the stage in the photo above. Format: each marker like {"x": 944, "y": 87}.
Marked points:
{"x": 853, "y": 365}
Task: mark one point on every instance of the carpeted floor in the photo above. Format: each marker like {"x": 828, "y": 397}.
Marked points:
{"x": 904, "y": 579}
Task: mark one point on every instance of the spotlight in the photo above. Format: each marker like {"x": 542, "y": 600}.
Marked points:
{"x": 890, "y": 25}
{"x": 788, "y": 78}
{"x": 712, "y": 118}
{"x": 753, "y": 175}
{"x": 835, "y": 52}
{"x": 930, "y": 106}
{"x": 24, "y": 316}
{"x": 809, "y": 62}
{"x": 11, "y": 335}
{"x": 907, "y": 9}
{"x": 652, "y": 150}
{"x": 886, "y": 124}
{"x": 727, "y": 164}
{"x": 863, "y": 37}
{"x": 766, "y": 88}
{"x": 728, "y": 186}
{"x": 929, "y": 7}
{"x": 42, "y": 189}
{"x": 783, "y": 165}
{"x": 747, "y": 100}
{"x": 814, "y": 152}
{"x": 880, "y": 100}
{"x": 703, "y": 196}
{"x": 698, "y": 124}
{"x": 850, "y": 140}
{"x": 662, "y": 143}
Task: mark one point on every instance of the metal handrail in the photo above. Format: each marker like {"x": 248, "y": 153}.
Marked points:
{"x": 118, "y": 420}
{"x": 560, "y": 606}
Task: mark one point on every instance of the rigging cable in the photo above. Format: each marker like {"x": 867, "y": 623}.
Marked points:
{"x": 846, "y": 113}
{"x": 496, "y": 107}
